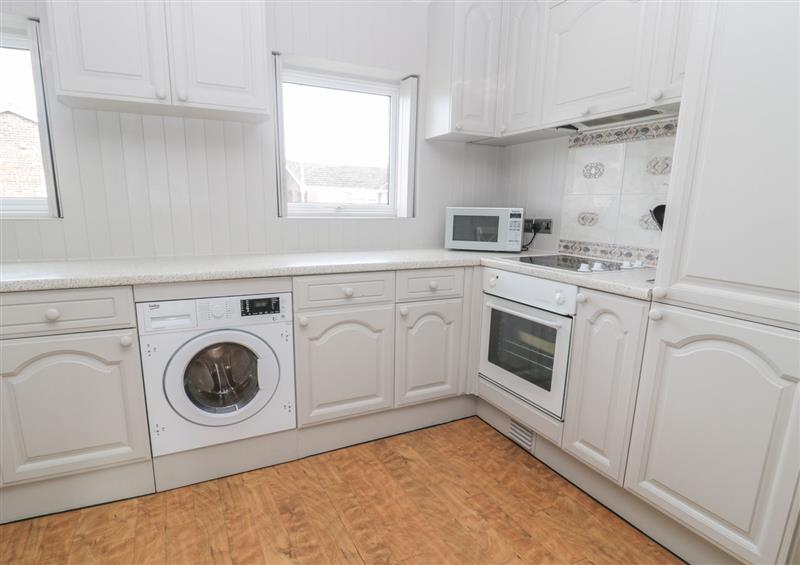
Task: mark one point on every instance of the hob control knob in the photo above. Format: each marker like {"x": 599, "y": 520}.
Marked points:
{"x": 560, "y": 298}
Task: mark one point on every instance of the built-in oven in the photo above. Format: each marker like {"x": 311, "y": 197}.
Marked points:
{"x": 527, "y": 326}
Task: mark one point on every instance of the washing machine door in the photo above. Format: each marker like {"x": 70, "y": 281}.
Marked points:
{"x": 221, "y": 377}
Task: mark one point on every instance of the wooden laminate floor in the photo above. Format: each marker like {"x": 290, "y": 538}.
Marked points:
{"x": 456, "y": 493}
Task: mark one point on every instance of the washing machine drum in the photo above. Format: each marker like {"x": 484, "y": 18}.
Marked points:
{"x": 221, "y": 378}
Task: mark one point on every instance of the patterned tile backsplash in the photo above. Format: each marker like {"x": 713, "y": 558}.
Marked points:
{"x": 614, "y": 177}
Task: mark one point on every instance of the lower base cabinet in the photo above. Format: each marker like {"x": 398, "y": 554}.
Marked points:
{"x": 344, "y": 362}
{"x": 428, "y": 350}
{"x": 70, "y": 403}
{"x": 607, "y": 343}
{"x": 716, "y": 436}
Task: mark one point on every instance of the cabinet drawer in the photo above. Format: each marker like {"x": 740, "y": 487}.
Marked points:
{"x": 65, "y": 311}
{"x": 424, "y": 284}
{"x": 341, "y": 290}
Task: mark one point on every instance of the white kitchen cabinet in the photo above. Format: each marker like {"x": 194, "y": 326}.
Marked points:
{"x": 218, "y": 54}
{"x": 428, "y": 351}
{"x": 344, "y": 362}
{"x": 672, "y": 46}
{"x": 71, "y": 403}
{"x": 607, "y": 345}
{"x": 111, "y": 50}
{"x": 731, "y": 241}
{"x": 597, "y": 58}
{"x": 205, "y": 59}
{"x": 519, "y": 89}
{"x": 716, "y": 435}
{"x": 464, "y": 44}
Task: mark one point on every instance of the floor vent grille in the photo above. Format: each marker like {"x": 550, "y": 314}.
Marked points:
{"x": 521, "y": 435}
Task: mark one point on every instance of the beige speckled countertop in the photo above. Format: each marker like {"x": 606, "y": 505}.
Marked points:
{"x": 16, "y": 277}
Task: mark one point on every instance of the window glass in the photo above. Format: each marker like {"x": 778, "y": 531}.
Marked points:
{"x": 24, "y": 167}
{"x": 337, "y": 145}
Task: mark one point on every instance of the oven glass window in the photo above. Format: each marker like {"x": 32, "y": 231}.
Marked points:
{"x": 522, "y": 347}
{"x": 222, "y": 378}
{"x": 475, "y": 228}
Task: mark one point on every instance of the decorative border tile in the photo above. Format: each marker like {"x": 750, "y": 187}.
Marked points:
{"x": 631, "y": 132}
{"x": 609, "y": 251}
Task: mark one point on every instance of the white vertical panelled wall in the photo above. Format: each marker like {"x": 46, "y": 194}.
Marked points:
{"x": 136, "y": 185}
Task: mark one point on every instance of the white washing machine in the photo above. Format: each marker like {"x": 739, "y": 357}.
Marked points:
{"x": 217, "y": 370}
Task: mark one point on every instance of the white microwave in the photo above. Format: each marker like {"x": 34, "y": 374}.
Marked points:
{"x": 484, "y": 229}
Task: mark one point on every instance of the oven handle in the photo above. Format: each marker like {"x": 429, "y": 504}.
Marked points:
{"x": 493, "y": 303}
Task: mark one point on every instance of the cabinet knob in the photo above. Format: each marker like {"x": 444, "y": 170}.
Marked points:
{"x": 657, "y": 95}
{"x": 404, "y": 311}
{"x": 560, "y": 298}
{"x": 659, "y": 292}
{"x": 433, "y": 285}
{"x": 126, "y": 341}
{"x": 303, "y": 321}
{"x": 459, "y": 125}
{"x": 161, "y": 93}
{"x": 587, "y": 111}
{"x": 580, "y": 297}
{"x": 655, "y": 315}
{"x": 52, "y": 314}
{"x": 182, "y": 96}
{"x": 348, "y": 292}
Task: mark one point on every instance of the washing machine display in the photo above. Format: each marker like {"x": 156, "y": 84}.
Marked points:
{"x": 216, "y": 371}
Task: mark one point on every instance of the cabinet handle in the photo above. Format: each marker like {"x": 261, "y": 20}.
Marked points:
{"x": 126, "y": 341}
{"x": 433, "y": 285}
{"x": 459, "y": 125}
{"x": 404, "y": 311}
{"x": 161, "y": 93}
{"x": 303, "y": 321}
{"x": 657, "y": 95}
{"x": 659, "y": 292}
{"x": 52, "y": 314}
{"x": 182, "y": 96}
{"x": 348, "y": 292}
{"x": 580, "y": 297}
{"x": 655, "y": 315}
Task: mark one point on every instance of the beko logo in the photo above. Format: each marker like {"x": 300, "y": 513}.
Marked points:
{"x": 153, "y": 306}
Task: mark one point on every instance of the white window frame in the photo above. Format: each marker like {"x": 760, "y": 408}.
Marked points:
{"x": 31, "y": 208}
{"x": 402, "y": 92}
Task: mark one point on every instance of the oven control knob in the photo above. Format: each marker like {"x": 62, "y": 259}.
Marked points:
{"x": 218, "y": 311}
{"x": 560, "y": 298}
{"x": 580, "y": 297}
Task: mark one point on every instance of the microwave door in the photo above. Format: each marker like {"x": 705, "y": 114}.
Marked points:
{"x": 476, "y": 228}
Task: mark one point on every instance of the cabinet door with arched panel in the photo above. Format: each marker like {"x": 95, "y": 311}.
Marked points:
{"x": 344, "y": 362}
{"x": 428, "y": 350}
{"x": 70, "y": 403}
{"x": 607, "y": 343}
{"x": 716, "y": 435}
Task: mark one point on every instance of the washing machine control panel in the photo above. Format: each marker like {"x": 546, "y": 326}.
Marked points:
{"x": 230, "y": 311}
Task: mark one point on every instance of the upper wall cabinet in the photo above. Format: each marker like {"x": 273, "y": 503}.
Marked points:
{"x": 111, "y": 50}
{"x": 672, "y": 45}
{"x": 217, "y": 54}
{"x": 597, "y": 58}
{"x": 519, "y": 85}
{"x": 190, "y": 58}
{"x": 721, "y": 182}
{"x": 462, "y": 69}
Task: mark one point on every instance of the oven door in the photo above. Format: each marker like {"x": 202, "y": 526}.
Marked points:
{"x": 525, "y": 350}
